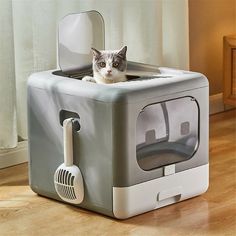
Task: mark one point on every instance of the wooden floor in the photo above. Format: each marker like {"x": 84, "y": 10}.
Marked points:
{"x": 22, "y": 212}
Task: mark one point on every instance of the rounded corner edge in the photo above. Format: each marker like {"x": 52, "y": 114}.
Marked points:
{"x": 203, "y": 77}
{"x": 120, "y": 215}
{"x": 206, "y": 186}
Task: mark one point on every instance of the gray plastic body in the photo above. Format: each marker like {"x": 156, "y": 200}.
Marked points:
{"x": 105, "y": 147}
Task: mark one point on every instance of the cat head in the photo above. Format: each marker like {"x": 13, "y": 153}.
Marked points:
{"x": 109, "y": 66}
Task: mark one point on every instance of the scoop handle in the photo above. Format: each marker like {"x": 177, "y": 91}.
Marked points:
{"x": 68, "y": 141}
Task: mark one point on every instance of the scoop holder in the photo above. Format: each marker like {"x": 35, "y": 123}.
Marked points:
{"x": 68, "y": 180}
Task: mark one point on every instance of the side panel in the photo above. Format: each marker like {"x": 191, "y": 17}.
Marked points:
{"x": 92, "y": 145}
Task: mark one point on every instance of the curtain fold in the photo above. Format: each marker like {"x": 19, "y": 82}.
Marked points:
{"x": 8, "y": 130}
{"x": 155, "y": 31}
{"x": 35, "y": 47}
{"x": 175, "y": 34}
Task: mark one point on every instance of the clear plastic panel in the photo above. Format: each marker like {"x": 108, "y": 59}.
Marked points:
{"x": 77, "y": 34}
{"x": 167, "y": 133}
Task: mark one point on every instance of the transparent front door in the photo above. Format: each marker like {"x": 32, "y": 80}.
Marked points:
{"x": 167, "y": 133}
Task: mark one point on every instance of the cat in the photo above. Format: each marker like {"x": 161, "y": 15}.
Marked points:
{"x": 108, "y": 66}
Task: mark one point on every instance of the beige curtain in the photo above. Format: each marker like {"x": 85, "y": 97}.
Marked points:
{"x": 155, "y": 31}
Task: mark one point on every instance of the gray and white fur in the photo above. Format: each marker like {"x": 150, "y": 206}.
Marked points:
{"x": 108, "y": 66}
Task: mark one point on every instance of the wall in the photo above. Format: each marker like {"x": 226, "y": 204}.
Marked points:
{"x": 209, "y": 21}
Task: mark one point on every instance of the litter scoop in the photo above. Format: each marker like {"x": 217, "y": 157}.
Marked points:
{"x": 68, "y": 179}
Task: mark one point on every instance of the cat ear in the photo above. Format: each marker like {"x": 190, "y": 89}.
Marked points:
{"x": 95, "y": 52}
{"x": 122, "y": 52}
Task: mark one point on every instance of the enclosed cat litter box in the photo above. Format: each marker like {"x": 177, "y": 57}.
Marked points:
{"x": 120, "y": 149}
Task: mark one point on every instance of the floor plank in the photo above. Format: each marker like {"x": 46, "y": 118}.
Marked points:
{"x": 22, "y": 212}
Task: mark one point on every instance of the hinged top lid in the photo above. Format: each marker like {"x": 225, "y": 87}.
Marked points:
{"x": 77, "y": 34}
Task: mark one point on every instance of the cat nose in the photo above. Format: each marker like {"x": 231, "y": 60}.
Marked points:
{"x": 109, "y": 71}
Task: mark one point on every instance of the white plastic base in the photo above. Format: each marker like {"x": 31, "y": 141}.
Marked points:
{"x": 150, "y": 195}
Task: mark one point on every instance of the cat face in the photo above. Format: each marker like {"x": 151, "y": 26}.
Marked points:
{"x": 109, "y": 66}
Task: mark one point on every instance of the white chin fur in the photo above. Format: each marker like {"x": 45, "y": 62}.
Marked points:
{"x": 109, "y": 79}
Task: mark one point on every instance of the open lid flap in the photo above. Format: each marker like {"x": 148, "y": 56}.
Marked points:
{"x": 77, "y": 34}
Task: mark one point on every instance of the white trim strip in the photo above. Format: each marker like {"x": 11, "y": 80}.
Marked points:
{"x": 217, "y": 104}
{"x": 14, "y": 156}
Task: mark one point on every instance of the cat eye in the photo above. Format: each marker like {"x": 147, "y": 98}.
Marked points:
{"x": 115, "y": 64}
{"x": 102, "y": 64}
